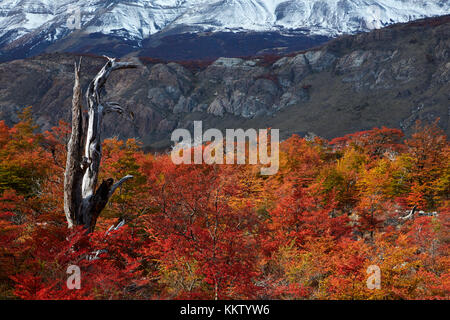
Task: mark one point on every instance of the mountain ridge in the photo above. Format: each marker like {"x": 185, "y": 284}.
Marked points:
{"x": 388, "y": 77}
{"x": 30, "y": 27}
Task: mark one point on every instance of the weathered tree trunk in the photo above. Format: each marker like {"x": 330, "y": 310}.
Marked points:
{"x": 83, "y": 203}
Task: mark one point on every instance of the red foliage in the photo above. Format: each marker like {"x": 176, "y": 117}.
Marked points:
{"x": 375, "y": 142}
{"x": 226, "y": 232}
{"x": 196, "y": 65}
{"x": 268, "y": 59}
{"x": 149, "y": 60}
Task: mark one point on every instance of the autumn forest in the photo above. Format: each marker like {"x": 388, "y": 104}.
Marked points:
{"x": 227, "y": 232}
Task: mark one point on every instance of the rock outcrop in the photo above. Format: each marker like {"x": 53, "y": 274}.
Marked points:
{"x": 390, "y": 77}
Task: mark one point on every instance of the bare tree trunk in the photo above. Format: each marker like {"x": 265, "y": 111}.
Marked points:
{"x": 83, "y": 203}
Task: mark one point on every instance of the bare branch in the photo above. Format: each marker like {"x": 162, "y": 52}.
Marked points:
{"x": 119, "y": 183}
{"x": 83, "y": 202}
{"x": 96, "y": 111}
{"x": 410, "y": 215}
{"x": 110, "y": 107}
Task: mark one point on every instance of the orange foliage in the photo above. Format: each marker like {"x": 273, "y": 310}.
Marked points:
{"x": 226, "y": 232}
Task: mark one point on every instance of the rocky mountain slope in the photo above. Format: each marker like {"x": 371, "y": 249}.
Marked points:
{"x": 29, "y": 27}
{"x": 392, "y": 77}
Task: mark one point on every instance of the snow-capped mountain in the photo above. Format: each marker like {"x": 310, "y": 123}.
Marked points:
{"x": 39, "y": 22}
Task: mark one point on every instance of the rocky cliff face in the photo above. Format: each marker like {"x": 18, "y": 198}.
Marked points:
{"x": 392, "y": 77}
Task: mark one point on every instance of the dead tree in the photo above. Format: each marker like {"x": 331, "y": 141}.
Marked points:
{"x": 83, "y": 201}
{"x": 410, "y": 215}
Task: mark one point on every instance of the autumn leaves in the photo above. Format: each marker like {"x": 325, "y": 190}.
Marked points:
{"x": 227, "y": 232}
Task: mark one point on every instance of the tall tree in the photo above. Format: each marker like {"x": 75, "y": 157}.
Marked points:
{"x": 83, "y": 201}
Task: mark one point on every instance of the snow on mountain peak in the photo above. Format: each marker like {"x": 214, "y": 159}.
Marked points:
{"x": 138, "y": 19}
